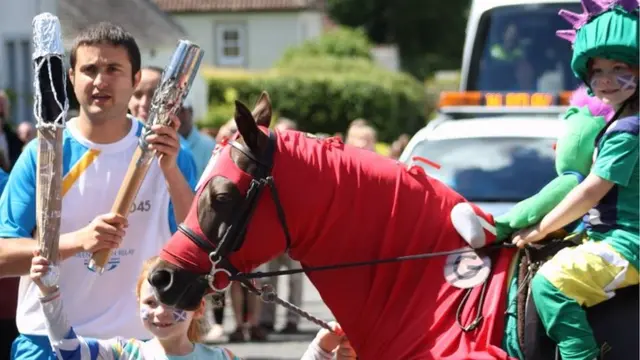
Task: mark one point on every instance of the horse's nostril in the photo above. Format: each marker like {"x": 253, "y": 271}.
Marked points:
{"x": 160, "y": 279}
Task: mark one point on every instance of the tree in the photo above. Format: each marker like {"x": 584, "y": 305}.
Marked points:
{"x": 429, "y": 34}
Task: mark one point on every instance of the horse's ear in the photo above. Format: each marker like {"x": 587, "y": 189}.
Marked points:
{"x": 247, "y": 126}
{"x": 262, "y": 112}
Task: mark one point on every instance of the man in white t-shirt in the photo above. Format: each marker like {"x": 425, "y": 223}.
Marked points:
{"x": 97, "y": 148}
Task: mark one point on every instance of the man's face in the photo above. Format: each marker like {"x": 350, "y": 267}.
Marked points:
{"x": 140, "y": 102}
{"x": 102, "y": 81}
{"x": 26, "y": 132}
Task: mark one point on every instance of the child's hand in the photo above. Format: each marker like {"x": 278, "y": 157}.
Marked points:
{"x": 345, "y": 351}
{"x": 39, "y": 268}
{"x": 527, "y": 236}
{"x": 329, "y": 341}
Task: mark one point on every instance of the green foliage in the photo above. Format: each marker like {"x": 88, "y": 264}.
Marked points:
{"x": 324, "y": 84}
{"x": 326, "y": 63}
{"x": 327, "y": 102}
{"x": 340, "y": 42}
{"x": 435, "y": 86}
{"x": 429, "y": 34}
{"x": 222, "y": 110}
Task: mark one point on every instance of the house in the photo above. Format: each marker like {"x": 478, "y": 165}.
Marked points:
{"x": 150, "y": 26}
{"x": 249, "y": 34}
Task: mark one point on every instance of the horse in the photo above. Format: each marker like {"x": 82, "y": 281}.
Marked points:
{"x": 265, "y": 193}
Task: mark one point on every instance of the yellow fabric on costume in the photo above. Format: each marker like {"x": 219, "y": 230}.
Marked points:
{"x": 590, "y": 272}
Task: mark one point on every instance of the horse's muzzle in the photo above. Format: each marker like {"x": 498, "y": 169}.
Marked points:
{"x": 178, "y": 288}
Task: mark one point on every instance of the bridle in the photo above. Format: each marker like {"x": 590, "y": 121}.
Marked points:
{"x": 233, "y": 237}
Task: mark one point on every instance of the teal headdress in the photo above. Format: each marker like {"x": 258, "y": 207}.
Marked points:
{"x": 606, "y": 28}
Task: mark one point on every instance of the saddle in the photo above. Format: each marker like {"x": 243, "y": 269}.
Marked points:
{"x": 614, "y": 321}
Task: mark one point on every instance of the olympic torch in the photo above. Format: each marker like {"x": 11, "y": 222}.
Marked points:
{"x": 174, "y": 87}
{"x": 50, "y": 111}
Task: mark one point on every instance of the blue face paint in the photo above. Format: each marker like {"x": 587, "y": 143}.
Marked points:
{"x": 626, "y": 82}
{"x": 179, "y": 315}
{"x": 144, "y": 313}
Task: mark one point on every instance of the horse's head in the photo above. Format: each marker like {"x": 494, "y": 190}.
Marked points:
{"x": 212, "y": 243}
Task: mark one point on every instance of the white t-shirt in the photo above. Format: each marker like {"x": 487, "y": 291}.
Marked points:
{"x": 99, "y": 305}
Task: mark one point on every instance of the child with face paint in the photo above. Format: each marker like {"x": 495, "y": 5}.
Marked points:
{"x": 605, "y": 58}
{"x": 175, "y": 332}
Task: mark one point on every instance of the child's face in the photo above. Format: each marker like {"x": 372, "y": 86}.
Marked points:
{"x": 161, "y": 320}
{"x": 612, "y": 81}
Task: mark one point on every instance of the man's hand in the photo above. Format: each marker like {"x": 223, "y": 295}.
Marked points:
{"x": 104, "y": 232}
{"x": 166, "y": 142}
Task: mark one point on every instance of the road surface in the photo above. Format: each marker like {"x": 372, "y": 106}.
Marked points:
{"x": 281, "y": 347}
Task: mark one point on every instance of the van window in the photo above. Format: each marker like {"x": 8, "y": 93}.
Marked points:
{"x": 517, "y": 50}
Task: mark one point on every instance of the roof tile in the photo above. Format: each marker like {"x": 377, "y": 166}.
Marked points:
{"x": 236, "y": 5}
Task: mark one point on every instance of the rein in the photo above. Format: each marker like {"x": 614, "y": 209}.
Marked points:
{"x": 260, "y": 274}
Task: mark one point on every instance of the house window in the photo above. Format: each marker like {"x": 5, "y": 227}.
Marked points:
{"x": 19, "y": 70}
{"x": 231, "y": 40}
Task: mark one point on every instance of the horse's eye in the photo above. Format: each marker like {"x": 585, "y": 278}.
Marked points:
{"x": 223, "y": 198}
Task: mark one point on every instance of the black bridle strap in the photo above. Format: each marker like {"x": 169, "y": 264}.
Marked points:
{"x": 280, "y": 212}
{"x": 260, "y": 274}
{"x": 202, "y": 243}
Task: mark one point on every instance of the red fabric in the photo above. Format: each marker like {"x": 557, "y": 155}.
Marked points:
{"x": 344, "y": 204}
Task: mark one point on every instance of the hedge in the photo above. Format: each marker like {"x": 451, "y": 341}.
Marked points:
{"x": 343, "y": 42}
{"x": 325, "y": 101}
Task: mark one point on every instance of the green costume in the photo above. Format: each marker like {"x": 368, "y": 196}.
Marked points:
{"x": 588, "y": 274}
{"x": 574, "y": 157}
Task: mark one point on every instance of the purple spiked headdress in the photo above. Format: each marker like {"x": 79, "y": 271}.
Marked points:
{"x": 591, "y": 9}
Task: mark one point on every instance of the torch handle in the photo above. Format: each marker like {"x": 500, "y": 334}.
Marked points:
{"x": 49, "y": 191}
{"x": 138, "y": 168}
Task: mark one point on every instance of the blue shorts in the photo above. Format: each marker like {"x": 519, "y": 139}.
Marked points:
{"x": 32, "y": 347}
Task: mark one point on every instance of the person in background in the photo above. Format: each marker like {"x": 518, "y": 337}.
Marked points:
{"x": 26, "y": 132}
{"x": 284, "y": 124}
{"x": 226, "y": 131}
{"x": 201, "y": 145}
{"x": 361, "y": 135}
{"x": 140, "y": 102}
{"x": 10, "y": 143}
{"x": 397, "y": 147}
{"x": 8, "y": 289}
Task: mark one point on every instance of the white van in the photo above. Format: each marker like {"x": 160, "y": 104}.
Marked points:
{"x": 511, "y": 46}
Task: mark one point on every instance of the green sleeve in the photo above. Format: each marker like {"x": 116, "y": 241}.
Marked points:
{"x": 617, "y": 157}
{"x": 530, "y": 211}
